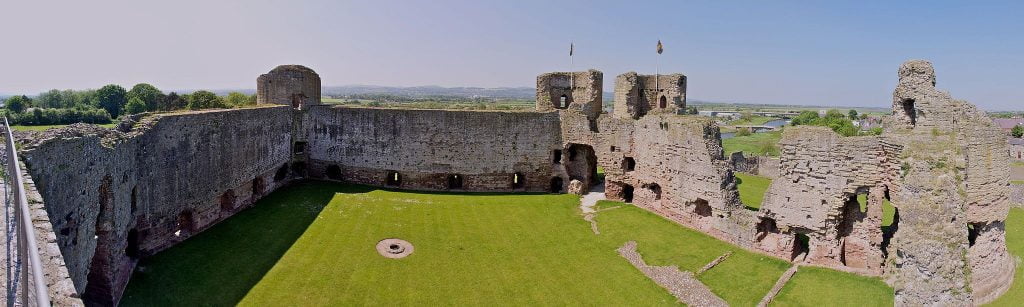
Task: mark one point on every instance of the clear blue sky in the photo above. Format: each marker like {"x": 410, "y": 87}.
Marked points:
{"x": 802, "y": 52}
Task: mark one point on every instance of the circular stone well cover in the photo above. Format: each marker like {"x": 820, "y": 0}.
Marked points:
{"x": 394, "y": 248}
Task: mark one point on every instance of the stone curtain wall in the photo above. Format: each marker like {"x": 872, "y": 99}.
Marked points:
{"x": 156, "y": 185}
{"x": 757, "y": 165}
{"x": 485, "y": 148}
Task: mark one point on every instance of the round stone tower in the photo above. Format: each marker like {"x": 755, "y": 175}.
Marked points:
{"x": 294, "y": 85}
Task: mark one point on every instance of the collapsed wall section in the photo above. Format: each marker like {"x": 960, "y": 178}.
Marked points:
{"x": 114, "y": 196}
{"x": 435, "y": 149}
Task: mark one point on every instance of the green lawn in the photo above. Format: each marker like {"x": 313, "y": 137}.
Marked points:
{"x": 1016, "y": 181}
{"x": 765, "y": 143}
{"x": 752, "y": 188}
{"x": 742, "y": 279}
{"x": 1017, "y": 163}
{"x": 45, "y": 127}
{"x": 307, "y": 245}
{"x": 1015, "y": 244}
{"x": 813, "y": 286}
{"x": 313, "y": 244}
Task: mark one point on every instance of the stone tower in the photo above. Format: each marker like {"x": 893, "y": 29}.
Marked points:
{"x": 294, "y": 85}
{"x": 581, "y": 90}
{"x": 639, "y": 95}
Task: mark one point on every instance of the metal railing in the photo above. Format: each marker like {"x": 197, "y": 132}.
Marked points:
{"x": 30, "y": 280}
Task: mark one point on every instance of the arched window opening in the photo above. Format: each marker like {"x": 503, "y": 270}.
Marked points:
{"x": 556, "y": 156}
{"x": 563, "y": 102}
{"x": 334, "y": 172}
{"x": 627, "y": 193}
{"x": 655, "y": 189}
{"x": 556, "y": 185}
{"x": 135, "y": 196}
{"x": 518, "y": 181}
{"x": 300, "y": 148}
{"x": 227, "y": 200}
{"x": 663, "y": 102}
{"x": 701, "y": 207}
{"x": 801, "y": 245}
{"x": 299, "y": 168}
{"x": 281, "y": 173}
{"x": 628, "y": 164}
{"x": 393, "y": 179}
{"x": 132, "y": 249}
{"x": 909, "y": 111}
{"x": 184, "y": 225}
{"x": 257, "y": 186}
{"x": 454, "y": 182}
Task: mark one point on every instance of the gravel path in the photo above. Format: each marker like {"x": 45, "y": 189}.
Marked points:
{"x": 681, "y": 284}
{"x": 589, "y": 200}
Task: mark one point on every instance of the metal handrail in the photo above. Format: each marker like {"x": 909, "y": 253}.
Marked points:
{"x": 28, "y": 248}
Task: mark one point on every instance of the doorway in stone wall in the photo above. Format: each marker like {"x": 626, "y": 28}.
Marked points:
{"x": 556, "y": 185}
{"x": 627, "y": 193}
{"x": 663, "y": 102}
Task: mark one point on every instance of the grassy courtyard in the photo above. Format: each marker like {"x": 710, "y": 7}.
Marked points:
{"x": 752, "y": 188}
{"x": 314, "y": 243}
{"x": 47, "y": 127}
{"x": 1015, "y": 245}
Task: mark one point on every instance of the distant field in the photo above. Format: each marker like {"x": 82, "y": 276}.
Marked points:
{"x": 765, "y": 143}
{"x": 753, "y": 121}
{"x": 313, "y": 243}
{"x": 515, "y": 105}
{"x": 752, "y": 188}
{"x": 45, "y": 127}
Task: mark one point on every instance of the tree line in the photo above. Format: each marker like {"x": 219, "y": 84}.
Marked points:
{"x": 57, "y": 107}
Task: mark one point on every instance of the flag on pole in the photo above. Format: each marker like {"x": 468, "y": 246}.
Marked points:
{"x": 660, "y": 48}
{"x": 570, "y": 49}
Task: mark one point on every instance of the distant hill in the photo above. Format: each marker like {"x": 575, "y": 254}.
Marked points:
{"x": 432, "y": 91}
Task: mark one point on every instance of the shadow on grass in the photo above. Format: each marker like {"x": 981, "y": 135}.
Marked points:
{"x": 218, "y": 266}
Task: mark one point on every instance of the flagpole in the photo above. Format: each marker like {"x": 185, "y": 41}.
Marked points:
{"x": 572, "y": 76}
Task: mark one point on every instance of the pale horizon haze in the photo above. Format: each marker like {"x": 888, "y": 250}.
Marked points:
{"x": 773, "y": 52}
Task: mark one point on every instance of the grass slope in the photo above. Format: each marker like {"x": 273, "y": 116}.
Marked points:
{"x": 813, "y": 286}
{"x": 765, "y": 143}
{"x": 752, "y": 188}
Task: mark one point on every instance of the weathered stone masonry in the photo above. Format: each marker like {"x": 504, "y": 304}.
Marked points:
{"x": 941, "y": 163}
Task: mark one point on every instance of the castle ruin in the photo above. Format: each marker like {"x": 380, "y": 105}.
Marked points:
{"x": 113, "y": 196}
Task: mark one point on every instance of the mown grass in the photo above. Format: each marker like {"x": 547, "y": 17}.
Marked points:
{"x": 813, "y": 286}
{"x": 742, "y": 279}
{"x": 46, "y": 127}
{"x": 765, "y": 143}
{"x": 1016, "y": 181}
{"x": 313, "y": 244}
{"x": 752, "y": 188}
{"x": 1015, "y": 245}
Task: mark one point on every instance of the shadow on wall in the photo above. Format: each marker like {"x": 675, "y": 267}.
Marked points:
{"x": 218, "y": 266}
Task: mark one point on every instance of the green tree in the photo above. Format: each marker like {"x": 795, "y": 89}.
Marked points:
{"x": 135, "y": 106}
{"x": 744, "y": 131}
{"x": 111, "y": 97}
{"x": 853, "y": 114}
{"x": 18, "y": 104}
{"x": 204, "y": 100}
{"x": 1017, "y": 131}
{"x": 236, "y": 99}
{"x": 149, "y": 94}
{"x": 864, "y": 116}
{"x": 173, "y": 101}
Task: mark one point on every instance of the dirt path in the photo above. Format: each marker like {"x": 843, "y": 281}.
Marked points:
{"x": 589, "y": 200}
